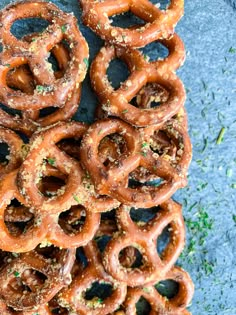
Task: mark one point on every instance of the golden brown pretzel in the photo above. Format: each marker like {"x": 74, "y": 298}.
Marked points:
{"x": 6, "y": 310}
{"x": 22, "y": 79}
{"x": 112, "y": 180}
{"x": 15, "y": 145}
{"x": 27, "y": 269}
{"x": 159, "y": 73}
{"x": 94, "y": 272}
{"x": 11, "y": 238}
{"x": 77, "y": 189}
{"x": 49, "y": 90}
{"x": 158, "y": 23}
{"x": 158, "y": 303}
{"x": 144, "y": 238}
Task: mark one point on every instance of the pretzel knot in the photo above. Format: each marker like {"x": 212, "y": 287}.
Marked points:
{"x": 144, "y": 238}
{"x": 15, "y": 156}
{"x": 112, "y": 179}
{"x": 158, "y": 303}
{"x": 94, "y": 272}
{"x": 49, "y": 90}
{"x": 159, "y": 74}
{"x": 158, "y": 23}
{"x": 32, "y": 279}
{"x": 22, "y": 79}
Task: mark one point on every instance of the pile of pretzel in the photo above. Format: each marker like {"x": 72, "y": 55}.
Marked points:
{"x": 86, "y": 206}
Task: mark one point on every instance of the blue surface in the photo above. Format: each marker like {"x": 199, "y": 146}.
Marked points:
{"x": 209, "y": 73}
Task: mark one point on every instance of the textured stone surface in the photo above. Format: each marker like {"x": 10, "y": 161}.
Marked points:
{"x": 209, "y": 32}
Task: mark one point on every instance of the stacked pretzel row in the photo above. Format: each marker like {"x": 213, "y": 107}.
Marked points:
{"x": 70, "y": 193}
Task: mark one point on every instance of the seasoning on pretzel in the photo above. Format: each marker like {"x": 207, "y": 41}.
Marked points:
{"x": 157, "y": 23}
{"x": 93, "y": 272}
{"x": 144, "y": 238}
{"x": 49, "y": 91}
{"x": 159, "y": 74}
{"x": 44, "y": 272}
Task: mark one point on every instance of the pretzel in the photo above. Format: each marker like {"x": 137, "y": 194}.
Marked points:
{"x": 6, "y": 310}
{"x": 24, "y": 271}
{"x": 159, "y": 74}
{"x": 15, "y": 145}
{"x": 144, "y": 238}
{"x": 158, "y": 303}
{"x": 22, "y": 79}
{"x": 112, "y": 180}
{"x": 49, "y": 90}
{"x": 77, "y": 189}
{"x": 94, "y": 272}
{"x": 170, "y": 142}
{"x": 158, "y": 23}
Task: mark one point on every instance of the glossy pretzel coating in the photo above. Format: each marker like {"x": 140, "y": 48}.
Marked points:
{"x": 77, "y": 188}
{"x": 49, "y": 90}
{"x": 158, "y": 23}
{"x": 94, "y": 272}
{"x": 15, "y": 155}
{"x": 25, "y": 270}
{"x": 158, "y": 303}
{"x": 11, "y": 238}
{"x": 112, "y": 180}
{"x": 21, "y": 79}
{"x": 159, "y": 73}
{"x": 144, "y": 238}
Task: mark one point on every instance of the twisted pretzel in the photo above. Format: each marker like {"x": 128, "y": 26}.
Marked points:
{"x": 6, "y": 310}
{"x": 112, "y": 179}
{"x": 77, "y": 189}
{"x": 144, "y": 238}
{"x": 159, "y": 304}
{"x": 158, "y": 23}
{"x": 21, "y": 79}
{"x": 15, "y": 156}
{"x": 13, "y": 238}
{"x": 50, "y": 91}
{"x": 25, "y": 270}
{"x": 94, "y": 272}
{"x": 157, "y": 73}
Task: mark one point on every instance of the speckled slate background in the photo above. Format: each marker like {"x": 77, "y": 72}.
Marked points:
{"x": 209, "y": 73}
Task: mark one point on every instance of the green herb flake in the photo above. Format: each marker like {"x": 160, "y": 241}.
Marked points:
{"x": 233, "y": 185}
{"x": 144, "y": 145}
{"x": 144, "y": 153}
{"x": 234, "y": 217}
{"x": 147, "y": 290}
{"x": 220, "y": 136}
{"x": 64, "y": 28}
{"x": 232, "y": 50}
{"x": 100, "y": 301}
{"x": 16, "y": 274}
{"x": 86, "y": 61}
{"x": 7, "y": 65}
{"x": 229, "y": 172}
{"x": 125, "y": 111}
{"x": 51, "y": 161}
{"x": 76, "y": 199}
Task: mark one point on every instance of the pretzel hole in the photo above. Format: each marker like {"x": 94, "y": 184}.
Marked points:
{"x": 163, "y": 240}
{"x": 143, "y": 307}
{"x": 143, "y": 215}
{"x": 4, "y": 153}
{"x": 117, "y": 72}
{"x": 111, "y": 148}
{"x": 168, "y": 288}
{"x": 70, "y": 146}
{"x": 142, "y": 182}
{"x": 53, "y": 61}
{"x": 126, "y": 20}
{"x": 47, "y": 111}
{"x": 162, "y": 144}
{"x": 72, "y": 221}
{"x": 81, "y": 257}
{"x": 21, "y": 79}
{"x": 56, "y": 309}
{"x": 10, "y": 111}
{"x": 154, "y": 51}
{"x": 130, "y": 257}
{"x": 23, "y": 27}
{"x": 51, "y": 186}
{"x": 102, "y": 241}
{"x": 98, "y": 292}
